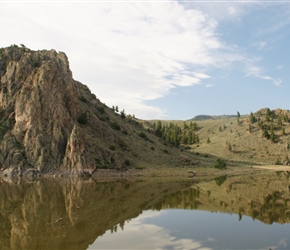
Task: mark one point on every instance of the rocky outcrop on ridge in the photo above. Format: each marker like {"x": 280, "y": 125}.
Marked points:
{"x": 50, "y": 122}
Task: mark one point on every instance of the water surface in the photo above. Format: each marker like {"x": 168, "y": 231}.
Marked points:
{"x": 247, "y": 212}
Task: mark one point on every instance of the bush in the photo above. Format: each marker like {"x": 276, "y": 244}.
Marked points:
{"x": 121, "y": 143}
{"x": 83, "y": 99}
{"x": 101, "y": 110}
{"x": 143, "y": 136}
{"x": 115, "y": 126}
{"x": 220, "y": 180}
{"x": 83, "y": 119}
{"x": 127, "y": 162}
{"x": 220, "y": 164}
{"x": 112, "y": 147}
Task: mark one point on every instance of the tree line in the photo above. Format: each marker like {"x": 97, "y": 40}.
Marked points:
{"x": 175, "y": 134}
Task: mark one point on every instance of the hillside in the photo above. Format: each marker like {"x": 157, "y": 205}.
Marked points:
{"x": 259, "y": 138}
{"x": 51, "y": 123}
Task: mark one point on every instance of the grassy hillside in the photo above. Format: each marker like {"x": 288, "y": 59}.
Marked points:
{"x": 260, "y": 138}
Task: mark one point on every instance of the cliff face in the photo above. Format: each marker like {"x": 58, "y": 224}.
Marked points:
{"x": 49, "y": 121}
{"x": 39, "y": 106}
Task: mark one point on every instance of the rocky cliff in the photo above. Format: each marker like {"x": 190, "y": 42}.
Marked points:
{"x": 50, "y": 122}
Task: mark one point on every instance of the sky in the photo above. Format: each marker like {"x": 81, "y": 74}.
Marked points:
{"x": 165, "y": 59}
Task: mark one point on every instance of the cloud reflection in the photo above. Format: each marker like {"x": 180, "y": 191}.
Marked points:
{"x": 138, "y": 234}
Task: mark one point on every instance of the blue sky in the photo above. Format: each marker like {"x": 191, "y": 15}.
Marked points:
{"x": 165, "y": 59}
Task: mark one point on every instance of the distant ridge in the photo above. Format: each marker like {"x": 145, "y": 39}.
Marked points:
{"x": 209, "y": 117}
{"x": 201, "y": 118}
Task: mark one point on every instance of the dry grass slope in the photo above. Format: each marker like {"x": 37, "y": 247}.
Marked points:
{"x": 239, "y": 140}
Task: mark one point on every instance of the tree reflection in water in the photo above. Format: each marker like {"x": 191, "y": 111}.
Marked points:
{"x": 72, "y": 214}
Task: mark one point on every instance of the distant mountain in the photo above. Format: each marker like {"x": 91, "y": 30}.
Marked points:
{"x": 50, "y": 122}
{"x": 209, "y": 117}
{"x": 201, "y": 118}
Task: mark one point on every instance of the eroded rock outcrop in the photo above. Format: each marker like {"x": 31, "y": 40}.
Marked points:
{"x": 39, "y": 110}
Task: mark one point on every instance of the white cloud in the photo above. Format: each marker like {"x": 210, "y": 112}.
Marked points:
{"x": 258, "y": 72}
{"x": 209, "y": 85}
{"x": 125, "y": 52}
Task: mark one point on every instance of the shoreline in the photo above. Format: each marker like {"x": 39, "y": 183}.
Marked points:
{"x": 159, "y": 172}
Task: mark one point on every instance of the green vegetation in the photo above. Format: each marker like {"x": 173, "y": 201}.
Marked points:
{"x": 101, "y": 110}
{"x": 83, "y": 119}
{"x": 252, "y": 118}
{"x": 220, "y": 164}
{"x": 220, "y": 180}
{"x": 143, "y": 136}
{"x": 83, "y": 99}
{"x": 123, "y": 115}
{"x": 175, "y": 134}
{"x": 115, "y": 126}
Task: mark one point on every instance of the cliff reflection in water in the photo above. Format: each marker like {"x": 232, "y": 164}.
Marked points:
{"x": 69, "y": 214}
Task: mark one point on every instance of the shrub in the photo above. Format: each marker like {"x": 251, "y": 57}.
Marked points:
{"x": 36, "y": 64}
{"x": 220, "y": 180}
{"x": 143, "y": 136}
{"x": 83, "y": 119}
{"x": 121, "y": 143}
{"x": 278, "y": 162}
{"x": 112, "y": 147}
{"x": 220, "y": 164}
{"x": 115, "y": 126}
{"x": 127, "y": 162}
{"x": 83, "y": 99}
{"x": 101, "y": 110}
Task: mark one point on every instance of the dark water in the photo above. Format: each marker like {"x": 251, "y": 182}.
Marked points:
{"x": 248, "y": 212}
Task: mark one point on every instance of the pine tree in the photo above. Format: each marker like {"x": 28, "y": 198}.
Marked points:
{"x": 123, "y": 115}
{"x": 208, "y": 140}
{"x": 272, "y": 135}
{"x": 189, "y": 138}
{"x": 238, "y": 117}
{"x": 158, "y": 130}
{"x": 286, "y": 118}
{"x": 197, "y": 139}
{"x": 252, "y": 118}
{"x": 250, "y": 128}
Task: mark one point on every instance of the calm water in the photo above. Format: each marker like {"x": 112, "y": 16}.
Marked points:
{"x": 249, "y": 212}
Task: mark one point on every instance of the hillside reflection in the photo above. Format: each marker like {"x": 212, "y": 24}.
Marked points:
{"x": 72, "y": 214}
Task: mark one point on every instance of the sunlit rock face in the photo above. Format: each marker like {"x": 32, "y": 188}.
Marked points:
{"x": 39, "y": 111}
